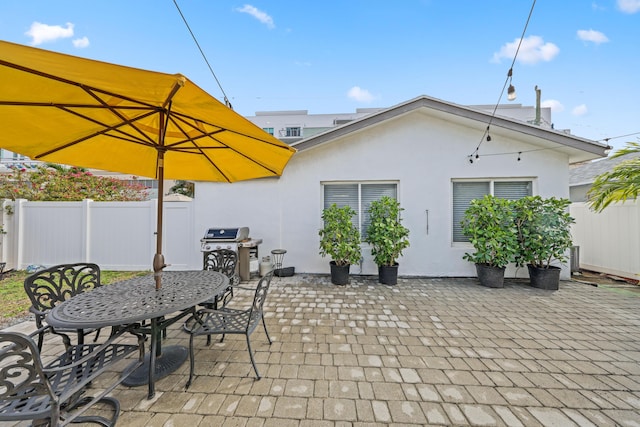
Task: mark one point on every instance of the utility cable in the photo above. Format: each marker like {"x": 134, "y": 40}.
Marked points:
{"x": 486, "y": 134}
{"x": 616, "y": 137}
{"x": 226, "y": 100}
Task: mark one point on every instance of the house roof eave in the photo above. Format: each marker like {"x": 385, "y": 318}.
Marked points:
{"x": 578, "y": 149}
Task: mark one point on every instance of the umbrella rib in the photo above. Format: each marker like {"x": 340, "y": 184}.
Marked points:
{"x": 70, "y": 82}
{"x": 172, "y": 148}
{"x": 211, "y": 135}
{"x": 101, "y": 132}
{"x": 125, "y": 119}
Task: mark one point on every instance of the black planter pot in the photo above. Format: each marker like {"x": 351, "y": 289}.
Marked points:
{"x": 490, "y": 276}
{"x": 388, "y": 274}
{"x": 544, "y": 278}
{"x": 339, "y": 273}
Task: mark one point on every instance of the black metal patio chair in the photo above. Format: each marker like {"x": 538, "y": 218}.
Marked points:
{"x": 49, "y": 287}
{"x": 224, "y": 261}
{"x": 57, "y": 393}
{"x": 228, "y": 320}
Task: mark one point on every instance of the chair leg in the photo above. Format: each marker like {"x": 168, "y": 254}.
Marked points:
{"x": 264, "y": 324}
{"x": 40, "y": 340}
{"x": 191, "y": 361}
{"x": 41, "y": 333}
{"x": 96, "y": 419}
{"x": 253, "y": 362}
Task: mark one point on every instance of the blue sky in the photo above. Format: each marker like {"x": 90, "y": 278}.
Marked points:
{"x": 335, "y": 56}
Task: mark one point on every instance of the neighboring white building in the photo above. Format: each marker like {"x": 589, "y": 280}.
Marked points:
{"x": 295, "y": 125}
{"x": 419, "y": 151}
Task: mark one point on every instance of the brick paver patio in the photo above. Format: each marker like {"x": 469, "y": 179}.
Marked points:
{"x": 425, "y": 352}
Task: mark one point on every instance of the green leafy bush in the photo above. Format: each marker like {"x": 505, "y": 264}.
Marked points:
{"x": 490, "y": 225}
{"x": 544, "y": 230}
{"x": 386, "y": 234}
{"x": 339, "y": 238}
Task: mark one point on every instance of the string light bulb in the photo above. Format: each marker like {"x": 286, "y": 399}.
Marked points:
{"x": 519, "y": 155}
{"x": 511, "y": 91}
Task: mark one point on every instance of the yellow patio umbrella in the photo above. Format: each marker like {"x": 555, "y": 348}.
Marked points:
{"x": 75, "y": 111}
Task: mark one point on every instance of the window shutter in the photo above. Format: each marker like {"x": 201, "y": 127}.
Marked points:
{"x": 463, "y": 194}
{"x": 342, "y": 195}
{"x": 512, "y": 190}
{"x": 371, "y": 192}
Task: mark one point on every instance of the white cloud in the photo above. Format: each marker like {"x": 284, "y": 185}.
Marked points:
{"x": 81, "y": 43}
{"x": 580, "y": 110}
{"x": 43, "y": 33}
{"x": 629, "y": 6}
{"x": 532, "y": 50}
{"x": 555, "y": 106}
{"x": 361, "y": 95}
{"x": 258, "y": 14}
{"x": 592, "y": 36}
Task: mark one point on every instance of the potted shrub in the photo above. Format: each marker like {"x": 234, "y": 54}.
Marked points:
{"x": 489, "y": 224}
{"x": 544, "y": 237}
{"x": 340, "y": 240}
{"x": 387, "y": 237}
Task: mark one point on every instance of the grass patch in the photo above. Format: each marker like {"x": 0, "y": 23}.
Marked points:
{"x": 15, "y": 302}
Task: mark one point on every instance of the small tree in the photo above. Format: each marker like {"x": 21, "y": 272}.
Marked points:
{"x": 489, "y": 225}
{"x": 339, "y": 238}
{"x": 544, "y": 230}
{"x": 620, "y": 183}
{"x": 186, "y": 188}
{"x": 386, "y": 234}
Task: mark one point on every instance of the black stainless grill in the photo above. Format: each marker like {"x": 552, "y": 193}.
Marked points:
{"x": 237, "y": 239}
{"x": 227, "y": 238}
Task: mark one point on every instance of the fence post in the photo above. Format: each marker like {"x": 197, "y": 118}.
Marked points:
{"x": 86, "y": 229}
{"x": 18, "y": 232}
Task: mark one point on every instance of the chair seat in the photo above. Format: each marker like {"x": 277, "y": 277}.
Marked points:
{"x": 223, "y": 321}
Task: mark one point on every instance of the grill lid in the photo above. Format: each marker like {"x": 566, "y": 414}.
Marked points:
{"x": 228, "y": 234}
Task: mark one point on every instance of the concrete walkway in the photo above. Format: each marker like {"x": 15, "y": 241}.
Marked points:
{"x": 424, "y": 352}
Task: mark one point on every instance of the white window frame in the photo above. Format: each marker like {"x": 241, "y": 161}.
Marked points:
{"x": 491, "y": 182}
{"x": 359, "y": 220}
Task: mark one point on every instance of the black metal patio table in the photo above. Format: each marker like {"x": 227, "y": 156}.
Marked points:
{"x": 136, "y": 300}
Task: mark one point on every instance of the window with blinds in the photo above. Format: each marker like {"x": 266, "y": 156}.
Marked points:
{"x": 465, "y": 191}
{"x": 359, "y": 196}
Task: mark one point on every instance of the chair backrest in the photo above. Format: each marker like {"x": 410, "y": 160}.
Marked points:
{"x": 25, "y": 392}
{"x": 259, "y": 298}
{"x": 223, "y": 261}
{"x": 49, "y": 287}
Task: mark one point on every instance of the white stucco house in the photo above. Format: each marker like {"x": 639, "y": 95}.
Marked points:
{"x": 419, "y": 151}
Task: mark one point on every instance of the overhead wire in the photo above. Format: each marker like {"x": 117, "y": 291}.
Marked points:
{"x": 486, "y": 135}
{"x": 226, "y": 99}
{"x": 616, "y": 137}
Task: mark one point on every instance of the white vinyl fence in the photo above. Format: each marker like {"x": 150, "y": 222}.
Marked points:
{"x": 609, "y": 241}
{"x": 114, "y": 235}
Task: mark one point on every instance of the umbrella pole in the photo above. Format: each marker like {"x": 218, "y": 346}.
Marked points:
{"x": 158, "y": 259}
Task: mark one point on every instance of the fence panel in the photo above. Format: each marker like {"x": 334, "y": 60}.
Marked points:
{"x": 608, "y": 240}
{"x": 115, "y": 235}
